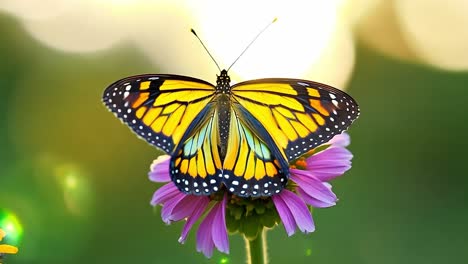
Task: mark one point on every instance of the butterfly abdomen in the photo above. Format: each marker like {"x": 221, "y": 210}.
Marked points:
{"x": 224, "y": 119}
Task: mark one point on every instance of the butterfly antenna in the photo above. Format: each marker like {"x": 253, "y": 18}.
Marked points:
{"x": 253, "y": 40}
{"x": 195, "y": 33}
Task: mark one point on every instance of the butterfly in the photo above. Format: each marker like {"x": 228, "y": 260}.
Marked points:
{"x": 241, "y": 137}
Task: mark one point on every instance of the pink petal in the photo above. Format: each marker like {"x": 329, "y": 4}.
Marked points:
{"x": 285, "y": 214}
{"x": 205, "y": 242}
{"x": 313, "y": 186}
{"x": 313, "y": 201}
{"x": 199, "y": 208}
{"x": 330, "y": 163}
{"x": 186, "y": 207}
{"x": 159, "y": 170}
{"x": 165, "y": 193}
{"x": 219, "y": 229}
{"x": 299, "y": 210}
{"x": 341, "y": 140}
{"x": 168, "y": 207}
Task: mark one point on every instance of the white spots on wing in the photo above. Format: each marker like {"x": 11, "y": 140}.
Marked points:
{"x": 128, "y": 87}
{"x": 335, "y": 103}
{"x": 332, "y": 96}
{"x": 126, "y": 94}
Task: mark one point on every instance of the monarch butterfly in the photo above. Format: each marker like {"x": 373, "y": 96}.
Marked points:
{"x": 242, "y": 137}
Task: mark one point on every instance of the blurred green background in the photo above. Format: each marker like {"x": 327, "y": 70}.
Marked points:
{"x": 73, "y": 179}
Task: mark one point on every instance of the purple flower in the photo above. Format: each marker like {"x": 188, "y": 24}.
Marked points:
{"x": 177, "y": 206}
{"x": 309, "y": 177}
{"x": 312, "y": 187}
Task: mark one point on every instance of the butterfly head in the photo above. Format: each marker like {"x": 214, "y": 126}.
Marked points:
{"x": 223, "y": 82}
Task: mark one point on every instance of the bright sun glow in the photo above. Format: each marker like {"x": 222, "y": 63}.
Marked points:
{"x": 310, "y": 40}
{"x": 288, "y": 48}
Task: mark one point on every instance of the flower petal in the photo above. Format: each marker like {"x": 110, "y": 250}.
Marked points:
{"x": 186, "y": 207}
{"x": 219, "y": 229}
{"x": 330, "y": 163}
{"x": 168, "y": 208}
{"x": 299, "y": 210}
{"x": 340, "y": 140}
{"x": 313, "y": 186}
{"x": 285, "y": 214}
{"x": 205, "y": 242}
{"x": 313, "y": 201}
{"x": 199, "y": 208}
{"x": 165, "y": 193}
{"x": 159, "y": 170}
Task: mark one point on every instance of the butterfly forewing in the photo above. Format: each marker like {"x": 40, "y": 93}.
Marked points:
{"x": 298, "y": 114}
{"x": 159, "y": 108}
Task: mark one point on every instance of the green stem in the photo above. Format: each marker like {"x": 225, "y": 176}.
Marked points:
{"x": 257, "y": 249}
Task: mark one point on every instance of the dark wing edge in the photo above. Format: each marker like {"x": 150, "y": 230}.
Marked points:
{"x": 331, "y": 110}
{"x": 132, "y": 100}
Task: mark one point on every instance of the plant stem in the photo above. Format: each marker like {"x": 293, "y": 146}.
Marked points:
{"x": 257, "y": 249}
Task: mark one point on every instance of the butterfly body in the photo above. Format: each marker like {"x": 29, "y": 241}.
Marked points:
{"x": 239, "y": 137}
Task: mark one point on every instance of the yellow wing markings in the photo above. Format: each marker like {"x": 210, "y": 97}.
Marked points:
{"x": 198, "y": 155}
{"x": 247, "y": 156}
{"x": 145, "y": 85}
{"x": 267, "y": 87}
{"x": 183, "y": 85}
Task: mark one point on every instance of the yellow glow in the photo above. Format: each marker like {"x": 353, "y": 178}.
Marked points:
{"x": 36, "y": 10}
{"x": 77, "y": 192}
{"x": 310, "y": 39}
{"x": 436, "y": 30}
{"x": 70, "y": 181}
{"x": 381, "y": 30}
{"x": 287, "y": 49}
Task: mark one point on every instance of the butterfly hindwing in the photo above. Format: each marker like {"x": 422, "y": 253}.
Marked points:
{"x": 298, "y": 114}
{"x": 253, "y": 165}
{"x": 159, "y": 108}
{"x": 195, "y": 167}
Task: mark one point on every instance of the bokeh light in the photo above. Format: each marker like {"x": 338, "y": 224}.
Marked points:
{"x": 224, "y": 260}
{"x": 298, "y": 45}
{"x": 436, "y": 30}
{"x": 380, "y": 29}
{"x": 311, "y": 39}
{"x": 77, "y": 192}
{"x": 10, "y": 223}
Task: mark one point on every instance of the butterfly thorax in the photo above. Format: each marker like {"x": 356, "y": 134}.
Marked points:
{"x": 223, "y": 83}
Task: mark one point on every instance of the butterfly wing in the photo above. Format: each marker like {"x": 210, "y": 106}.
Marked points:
{"x": 159, "y": 108}
{"x": 298, "y": 114}
{"x": 196, "y": 166}
{"x": 253, "y": 165}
